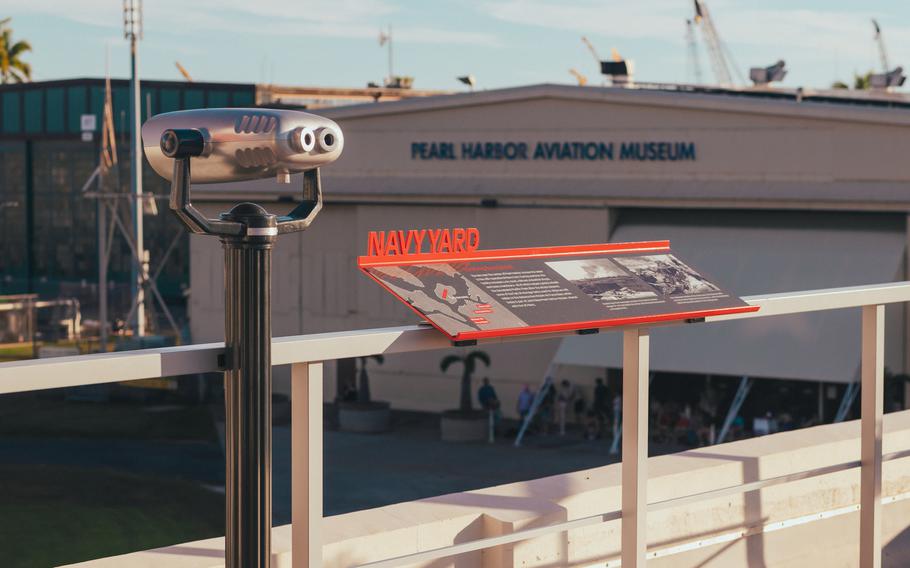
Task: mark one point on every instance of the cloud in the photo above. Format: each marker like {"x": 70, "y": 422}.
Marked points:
{"x": 811, "y": 41}
{"x": 663, "y": 20}
{"x": 655, "y": 19}
{"x": 348, "y": 19}
{"x": 806, "y": 29}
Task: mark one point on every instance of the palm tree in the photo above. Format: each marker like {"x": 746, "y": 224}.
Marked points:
{"x": 363, "y": 390}
{"x": 861, "y": 82}
{"x": 12, "y": 68}
{"x": 469, "y": 363}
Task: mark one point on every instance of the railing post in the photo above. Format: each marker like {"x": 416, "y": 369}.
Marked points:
{"x": 634, "y": 447}
{"x": 306, "y": 465}
{"x": 873, "y": 373}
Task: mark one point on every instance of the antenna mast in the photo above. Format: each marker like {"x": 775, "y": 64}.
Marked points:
{"x": 385, "y": 37}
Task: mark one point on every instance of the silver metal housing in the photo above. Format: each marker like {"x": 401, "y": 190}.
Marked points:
{"x": 246, "y": 143}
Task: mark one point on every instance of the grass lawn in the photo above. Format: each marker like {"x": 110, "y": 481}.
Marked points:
{"x": 60, "y": 515}
{"x": 15, "y": 352}
{"x": 25, "y": 350}
{"x": 34, "y": 415}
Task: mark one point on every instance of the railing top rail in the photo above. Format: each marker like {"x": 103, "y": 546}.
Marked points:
{"x": 98, "y": 368}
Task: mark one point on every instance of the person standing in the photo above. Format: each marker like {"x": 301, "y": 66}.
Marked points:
{"x": 486, "y": 396}
{"x": 525, "y": 400}
{"x": 617, "y": 413}
{"x": 547, "y": 402}
{"x": 601, "y": 401}
{"x": 564, "y": 399}
{"x": 489, "y": 401}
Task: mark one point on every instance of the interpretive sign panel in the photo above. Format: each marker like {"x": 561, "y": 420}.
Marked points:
{"x": 471, "y": 294}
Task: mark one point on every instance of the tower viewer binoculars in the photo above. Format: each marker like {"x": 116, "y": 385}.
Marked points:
{"x": 236, "y": 144}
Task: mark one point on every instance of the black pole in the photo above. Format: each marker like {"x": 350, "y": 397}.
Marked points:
{"x": 30, "y": 218}
{"x": 248, "y": 232}
{"x": 248, "y": 387}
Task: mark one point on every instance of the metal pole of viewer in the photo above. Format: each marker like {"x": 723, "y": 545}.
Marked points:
{"x": 248, "y": 387}
{"x": 247, "y": 232}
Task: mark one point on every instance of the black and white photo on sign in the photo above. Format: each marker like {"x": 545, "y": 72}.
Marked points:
{"x": 668, "y": 274}
{"x": 602, "y": 280}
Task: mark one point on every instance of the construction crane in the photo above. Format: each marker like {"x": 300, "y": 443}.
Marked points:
{"x": 594, "y": 54}
{"x": 888, "y": 78}
{"x": 618, "y": 69}
{"x": 614, "y": 54}
{"x": 720, "y": 58}
{"x": 593, "y": 51}
{"x": 694, "y": 61}
{"x": 882, "y": 53}
{"x": 582, "y": 80}
{"x": 184, "y": 72}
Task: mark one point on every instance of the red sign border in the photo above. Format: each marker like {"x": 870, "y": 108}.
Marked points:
{"x": 365, "y": 262}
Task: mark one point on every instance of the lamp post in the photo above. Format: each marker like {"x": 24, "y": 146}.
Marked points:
{"x": 132, "y": 30}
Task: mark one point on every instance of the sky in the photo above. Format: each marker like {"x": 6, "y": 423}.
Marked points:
{"x": 502, "y": 42}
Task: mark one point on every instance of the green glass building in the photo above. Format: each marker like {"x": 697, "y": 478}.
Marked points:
{"x": 48, "y": 229}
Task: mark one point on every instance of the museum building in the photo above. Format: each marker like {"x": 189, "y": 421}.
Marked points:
{"x": 762, "y": 191}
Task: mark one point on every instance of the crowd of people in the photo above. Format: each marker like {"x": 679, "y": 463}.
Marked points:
{"x": 563, "y": 405}
{"x": 563, "y": 408}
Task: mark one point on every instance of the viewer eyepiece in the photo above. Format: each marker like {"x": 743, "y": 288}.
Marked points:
{"x": 182, "y": 143}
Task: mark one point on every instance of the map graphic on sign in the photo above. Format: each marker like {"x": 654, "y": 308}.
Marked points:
{"x": 443, "y": 295}
{"x": 475, "y": 294}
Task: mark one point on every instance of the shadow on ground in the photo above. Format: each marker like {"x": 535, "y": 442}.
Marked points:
{"x": 84, "y": 480}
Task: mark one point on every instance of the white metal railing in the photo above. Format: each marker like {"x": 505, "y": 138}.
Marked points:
{"x": 38, "y": 374}
{"x": 307, "y": 352}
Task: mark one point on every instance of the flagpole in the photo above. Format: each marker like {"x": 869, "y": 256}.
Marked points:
{"x": 391, "y": 72}
{"x": 104, "y": 165}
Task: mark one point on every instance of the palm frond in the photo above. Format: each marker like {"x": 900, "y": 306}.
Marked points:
{"x": 481, "y": 356}
{"x": 18, "y": 48}
{"x": 12, "y": 68}
{"x": 23, "y": 71}
{"x": 447, "y": 362}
